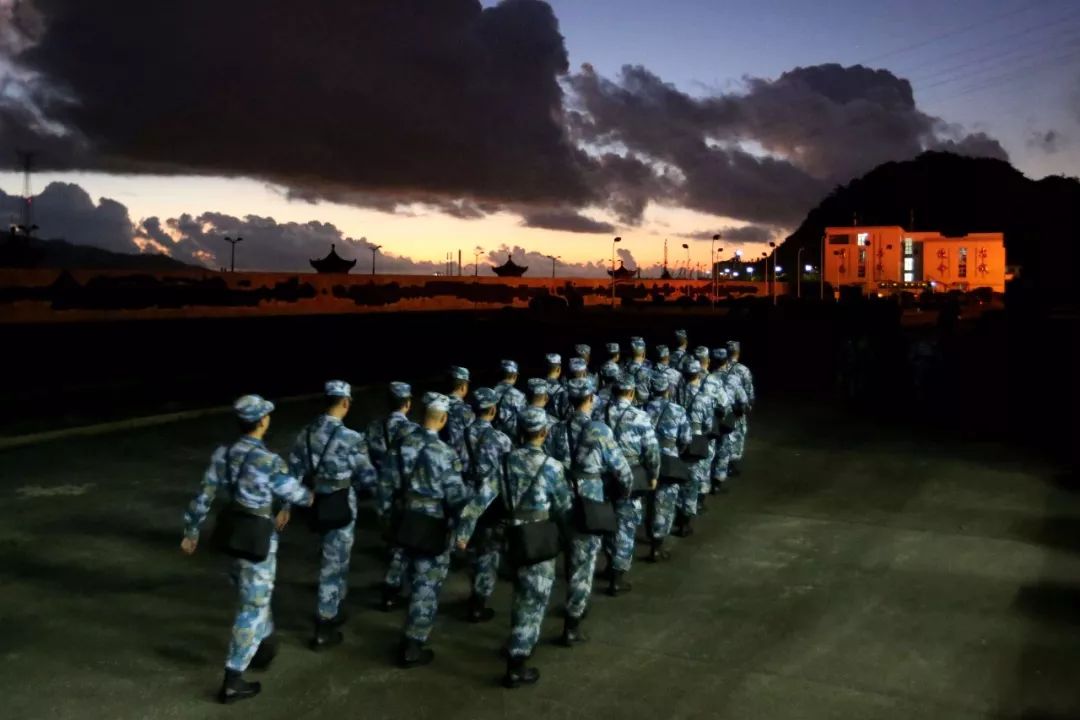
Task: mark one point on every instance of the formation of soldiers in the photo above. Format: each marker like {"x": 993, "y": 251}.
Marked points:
{"x": 638, "y": 443}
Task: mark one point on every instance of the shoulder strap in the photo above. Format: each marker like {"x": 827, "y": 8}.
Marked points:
{"x": 326, "y": 449}
{"x": 239, "y": 470}
{"x": 506, "y": 481}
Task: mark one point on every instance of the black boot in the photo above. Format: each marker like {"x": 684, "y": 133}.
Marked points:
{"x": 479, "y": 612}
{"x": 617, "y": 585}
{"x": 517, "y": 674}
{"x": 235, "y": 688}
{"x": 265, "y": 654}
{"x": 572, "y": 633}
{"x": 391, "y": 597}
{"x": 701, "y": 503}
{"x": 326, "y": 635}
{"x": 657, "y": 553}
{"x": 733, "y": 469}
{"x": 685, "y": 528}
{"x": 338, "y": 620}
{"x": 414, "y": 654}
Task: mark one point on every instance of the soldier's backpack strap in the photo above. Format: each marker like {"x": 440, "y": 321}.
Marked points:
{"x": 508, "y": 498}
{"x": 239, "y": 469}
{"x": 326, "y": 449}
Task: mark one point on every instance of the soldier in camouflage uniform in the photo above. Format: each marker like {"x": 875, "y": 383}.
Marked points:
{"x": 742, "y": 414}
{"x": 680, "y": 354}
{"x": 385, "y": 438}
{"x": 434, "y": 486}
{"x": 666, "y": 366}
{"x": 699, "y": 410}
{"x": 486, "y": 447}
{"x": 332, "y": 457}
{"x": 716, "y": 384}
{"x": 254, "y": 479}
{"x": 509, "y": 400}
{"x": 614, "y": 352}
{"x": 639, "y": 368}
{"x": 594, "y": 457}
{"x": 557, "y": 400}
{"x": 585, "y": 353}
{"x": 609, "y": 373}
{"x": 633, "y": 431}
{"x": 673, "y": 433}
{"x": 576, "y": 368}
{"x": 461, "y": 415}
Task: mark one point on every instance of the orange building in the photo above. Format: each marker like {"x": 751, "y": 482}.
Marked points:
{"x": 888, "y": 259}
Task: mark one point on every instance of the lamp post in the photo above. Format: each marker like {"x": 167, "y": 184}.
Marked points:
{"x": 712, "y": 265}
{"x": 553, "y": 259}
{"x": 687, "y": 249}
{"x": 477, "y": 252}
{"x": 613, "y": 242}
{"x": 232, "y": 254}
{"x": 374, "y": 249}
{"x": 773, "y": 253}
{"x": 798, "y": 274}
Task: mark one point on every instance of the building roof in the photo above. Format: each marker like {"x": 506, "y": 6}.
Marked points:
{"x": 510, "y": 268}
{"x": 332, "y": 264}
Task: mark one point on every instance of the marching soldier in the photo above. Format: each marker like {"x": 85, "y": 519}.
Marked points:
{"x": 461, "y": 415}
{"x": 487, "y": 447}
{"x": 665, "y": 365}
{"x": 594, "y": 456}
{"x": 613, "y": 352}
{"x": 699, "y": 410}
{"x": 673, "y": 433}
{"x": 253, "y": 481}
{"x": 680, "y": 353}
{"x": 509, "y": 400}
{"x": 585, "y": 353}
{"x": 633, "y": 431}
{"x": 638, "y": 369}
{"x": 742, "y": 412}
{"x": 716, "y": 384}
{"x": 332, "y": 458}
{"x": 609, "y": 373}
{"x": 557, "y": 401}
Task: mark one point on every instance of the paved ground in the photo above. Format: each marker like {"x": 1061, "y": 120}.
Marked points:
{"x": 855, "y": 573}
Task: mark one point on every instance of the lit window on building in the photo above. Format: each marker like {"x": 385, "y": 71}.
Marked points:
{"x": 909, "y": 247}
{"x": 961, "y": 265}
{"x": 863, "y": 239}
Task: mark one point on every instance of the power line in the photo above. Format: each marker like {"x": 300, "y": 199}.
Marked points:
{"x": 995, "y": 66}
{"x": 993, "y": 57}
{"x": 1018, "y": 74}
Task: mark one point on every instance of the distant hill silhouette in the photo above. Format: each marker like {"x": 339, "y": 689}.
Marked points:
{"x": 21, "y": 252}
{"x": 958, "y": 195}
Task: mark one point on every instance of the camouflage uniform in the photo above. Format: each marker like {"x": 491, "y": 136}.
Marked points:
{"x": 460, "y": 417}
{"x": 386, "y": 445}
{"x": 259, "y": 480}
{"x": 746, "y": 382}
{"x": 434, "y": 487}
{"x": 673, "y": 433}
{"x": 594, "y": 455}
{"x": 633, "y": 431}
{"x": 510, "y": 402}
{"x": 716, "y": 385}
{"x": 340, "y": 456}
{"x": 488, "y": 447}
{"x": 537, "y": 484}
{"x": 699, "y": 409}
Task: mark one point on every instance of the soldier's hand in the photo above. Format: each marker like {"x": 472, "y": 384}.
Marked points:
{"x": 652, "y": 484}
{"x": 462, "y": 545}
{"x": 282, "y": 520}
{"x": 188, "y": 545}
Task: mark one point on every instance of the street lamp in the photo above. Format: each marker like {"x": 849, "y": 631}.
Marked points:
{"x": 712, "y": 265}
{"x": 553, "y": 259}
{"x": 687, "y": 249}
{"x": 613, "y": 242}
{"x": 232, "y": 253}
{"x": 477, "y": 252}
{"x": 374, "y": 249}
{"x": 773, "y": 253}
{"x": 798, "y": 274}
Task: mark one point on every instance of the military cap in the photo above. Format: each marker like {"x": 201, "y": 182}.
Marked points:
{"x": 578, "y": 388}
{"x": 583, "y": 350}
{"x": 659, "y": 382}
{"x": 436, "y": 401}
{"x": 509, "y": 367}
{"x": 609, "y": 371}
{"x": 553, "y": 359}
{"x": 612, "y": 348}
{"x": 637, "y": 343}
{"x": 701, "y": 352}
{"x": 733, "y": 346}
{"x": 337, "y": 388}
{"x": 401, "y": 390}
{"x": 719, "y": 354}
{"x": 577, "y": 365}
{"x": 459, "y": 373}
{"x": 538, "y": 386}
{"x": 252, "y": 408}
{"x": 533, "y": 419}
{"x": 680, "y": 334}
{"x": 485, "y": 398}
{"x": 662, "y": 351}
{"x": 693, "y": 367}
{"x": 626, "y": 382}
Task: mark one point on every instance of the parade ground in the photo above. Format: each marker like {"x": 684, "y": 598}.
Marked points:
{"x": 855, "y": 571}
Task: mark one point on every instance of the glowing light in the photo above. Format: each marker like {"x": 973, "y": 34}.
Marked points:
{"x": 809, "y": 268}
{"x": 778, "y": 269}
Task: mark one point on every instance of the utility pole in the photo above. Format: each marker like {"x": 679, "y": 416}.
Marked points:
{"x": 712, "y": 265}
{"x": 374, "y": 250}
{"x": 477, "y": 252}
{"x": 553, "y": 259}
{"x": 613, "y": 242}
{"x": 773, "y": 253}
{"x": 232, "y": 259}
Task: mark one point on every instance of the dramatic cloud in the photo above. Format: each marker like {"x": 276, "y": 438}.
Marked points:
{"x": 385, "y": 95}
{"x": 567, "y": 220}
{"x": 539, "y": 264}
{"x": 736, "y": 235}
{"x": 66, "y": 212}
{"x": 1049, "y": 141}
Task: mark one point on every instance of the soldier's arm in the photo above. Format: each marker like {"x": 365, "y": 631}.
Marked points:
{"x": 559, "y": 488}
{"x": 476, "y": 506}
{"x": 686, "y": 433}
{"x": 200, "y": 506}
{"x": 298, "y": 457}
{"x": 285, "y": 486}
{"x": 650, "y": 451}
{"x": 615, "y": 462}
{"x": 749, "y": 386}
{"x": 364, "y": 476}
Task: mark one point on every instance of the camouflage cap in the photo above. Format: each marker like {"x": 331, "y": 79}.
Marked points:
{"x": 459, "y": 373}
{"x": 732, "y": 346}
{"x": 583, "y": 350}
{"x": 553, "y": 359}
{"x": 680, "y": 334}
{"x": 659, "y": 382}
{"x": 337, "y": 388}
{"x": 612, "y": 348}
{"x": 252, "y": 408}
{"x": 701, "y": 352}
{"x": 693, "y": 367}
{"x": 577, "y": 365}
{"x": 579, "y": 388}
{"x": 609, "y": 370}
{"x": 437, "y": 402}
{"x": 485, "y": 398}
{"x": 509, "y": 367}
{"x": 400, "y": 390}
{"x": 537, "y": 386}
{"x": 625, "y": 382}
{"x": 533, "y": 419}
{"x": 662, "y": 351}
{"x": 719, "y": 354}
{"x": 637, "y": 343}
